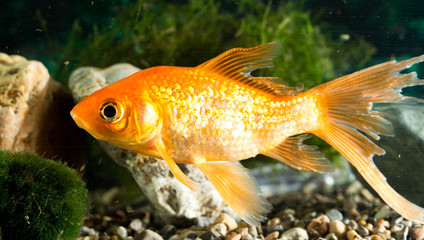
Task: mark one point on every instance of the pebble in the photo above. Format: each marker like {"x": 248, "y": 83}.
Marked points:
{"x": 334, "y": 214}
{"x": 148, "y": 235}
{"x": 122, "y": 232}
{"x": 227, "y": 220}
{"x": 233, "y": 236}
{"x": 401, "y": 233}
{"x": 417, "y": 233}
{"x": 167, "y": 231}
{"x": 272, "y": 236}
{"x": 295, "y": 233}
{"x": 220, "y": 229}
{"x": 354, "y": 188}
{"x": 339, "y": 228}
{"x": 253, "y": 231}
{"x": 367, "y": 195}
{"x": 383, "y": 212}
{"x": 353, "y": 225}
{"x": 278, "y": 228}
{"x": 210, "y": 235}
{"x": 363, "y": 231}
{"x": 353, "y": 235}
{"x": 331, "y": 236}
{"x": 320, "y": 225}
{"x": 378, "y": 229}
{"x": 136, "y": 224}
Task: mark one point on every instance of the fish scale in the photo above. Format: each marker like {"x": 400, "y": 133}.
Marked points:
{"x": 223, "y": 120}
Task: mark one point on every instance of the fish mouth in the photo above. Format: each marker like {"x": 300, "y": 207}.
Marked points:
{"x": 78, "y": 121}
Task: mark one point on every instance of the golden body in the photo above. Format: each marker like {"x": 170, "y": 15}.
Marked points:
{"x": 216, "y": 114}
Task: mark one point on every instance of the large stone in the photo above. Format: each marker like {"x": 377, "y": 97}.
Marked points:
{"x": 174, "y": 203}
{"x": 34, "y": 111}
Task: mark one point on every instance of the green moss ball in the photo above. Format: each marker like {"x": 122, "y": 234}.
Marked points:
{"x": 39, "y": 198}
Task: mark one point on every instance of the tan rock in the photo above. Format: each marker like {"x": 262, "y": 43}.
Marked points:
{"x": 32, "y": 108}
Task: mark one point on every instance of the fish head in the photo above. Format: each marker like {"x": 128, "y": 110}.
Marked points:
{"x": 117, "y": 118}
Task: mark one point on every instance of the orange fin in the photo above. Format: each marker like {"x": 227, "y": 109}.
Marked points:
{"x": 300, "y": 156}
{"x": 174, "y": 168}
{"x": 346, "y": 107}
{"x": 238, "y": 189}
{"x": 238, "y": 63}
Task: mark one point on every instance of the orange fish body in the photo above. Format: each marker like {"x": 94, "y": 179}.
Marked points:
{"x": 216, "y": 114}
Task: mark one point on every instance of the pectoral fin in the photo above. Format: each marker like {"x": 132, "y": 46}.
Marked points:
{"x": 238, "y": 188}
{"x": 174, "y": 167}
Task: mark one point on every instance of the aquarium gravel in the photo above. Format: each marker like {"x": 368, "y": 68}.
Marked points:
{"x": 346, "y": 212}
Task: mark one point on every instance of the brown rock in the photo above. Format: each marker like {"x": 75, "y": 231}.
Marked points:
{"x": 227, "y": 220}
{"x": 339, "y": 228}
{"x": 417, "y": 233}
{"x": 320, "y": 225}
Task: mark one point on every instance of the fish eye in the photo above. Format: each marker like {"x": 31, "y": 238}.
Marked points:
{"x": 110, "y": 111}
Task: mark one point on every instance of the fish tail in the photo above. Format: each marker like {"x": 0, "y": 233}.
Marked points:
{"x": 346, "y": 106}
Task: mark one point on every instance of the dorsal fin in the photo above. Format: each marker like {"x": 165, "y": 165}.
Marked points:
{"x": 238, "y": 63}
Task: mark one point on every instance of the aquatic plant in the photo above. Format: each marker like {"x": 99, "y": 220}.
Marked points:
{"x": 149, "y": 33}
{"x": 39, "y": 198}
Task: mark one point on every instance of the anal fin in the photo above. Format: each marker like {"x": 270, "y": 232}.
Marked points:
{"x": 300, "y": 156}
{"x": 238, "y": 189}
{"x": 174, "y": 167}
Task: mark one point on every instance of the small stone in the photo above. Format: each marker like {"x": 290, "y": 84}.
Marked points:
{"x": 295, "y": 233}
{"x": 209, "y": 235}
{"x": 246, "y": 237}
{"x": 362, "y": 222}
{"x": 354, "y": 188}
{"x": 349, "y": 204}
{"x": 227, "y": 220}
{"x": 167, "y": 231}
{"x": 383, "y": 212}
{"x": 378, "y": 229}
{"x": 191, "y": 235}
{"x": 253, "y": 231}
{"x": 136, "y": 224}
{"x": 84, "y": 231}
{"x": 233, "y": 236}
{"x": 353, "y": 213}
{"x": 402, "y": 234}
{"x": 339, "y": 228}
{"x": 352, "y": 235}
{"x": 363, "y": 231}
{"x": 272, "y": 236}
{"x": 416, "y": 233}
{"x": 376, "y": 237}
{"x": 367, "y": 195}
{"x": 370, "y": 227}
{"x": 334, "y": 214}
{"x": 274, "y": 221}
{"x": 242, "y": 230}
{"x": 353, "y": 225}
{"x": 148, "y": 235}
{"x": 220, "y": 229}
{"x": 331, "y": 236}
{"x": 320, "y": 225}
{"x": 278, "y": 228}
{"x": 310, "y": 216}
{"x": 174, "y": 237}
{"x": 122, "y": 232}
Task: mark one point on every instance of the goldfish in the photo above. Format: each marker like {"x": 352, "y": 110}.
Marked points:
{"x": 216, "y": 114}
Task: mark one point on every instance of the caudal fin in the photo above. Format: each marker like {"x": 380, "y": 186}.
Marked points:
{"x": 346, "y": 105}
